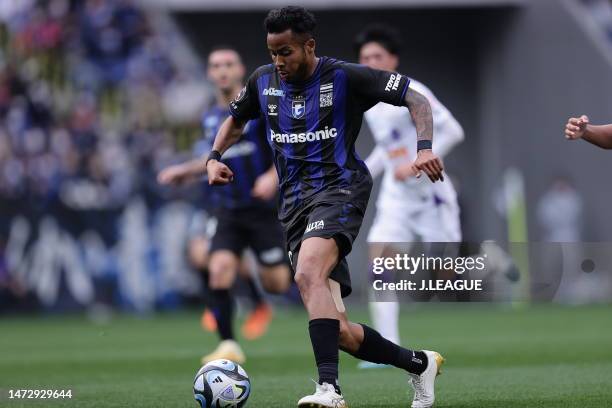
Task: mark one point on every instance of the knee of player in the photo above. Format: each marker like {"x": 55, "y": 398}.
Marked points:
{"x": 308, "y": 279}
{"x": 222, "y": 263}
{"x": 221, "y": 275}
{"x": 276, "y": 279}
{"x": 220, "y": 281}
{"x": 313, "y": 266}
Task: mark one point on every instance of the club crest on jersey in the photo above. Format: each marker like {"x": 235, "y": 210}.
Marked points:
{"x": 298, "y": 108}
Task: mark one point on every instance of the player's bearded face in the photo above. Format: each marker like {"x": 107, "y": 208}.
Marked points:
{"x": 291, "y": 54}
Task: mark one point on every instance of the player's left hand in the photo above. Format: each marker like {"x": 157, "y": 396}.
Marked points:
{"x": 265, "y": 186}
{"x": 430, "y": 164}
{"x": 405, "y": 171}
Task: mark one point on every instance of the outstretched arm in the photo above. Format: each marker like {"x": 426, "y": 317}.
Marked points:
{"x": 420, "y": 111}
{"x": 186, "y": 172}
{"x": 580, "y": 128}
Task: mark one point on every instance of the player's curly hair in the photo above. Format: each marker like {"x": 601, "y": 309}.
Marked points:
{"x": 294, "y": 18}
{"x": 388, "y": 37}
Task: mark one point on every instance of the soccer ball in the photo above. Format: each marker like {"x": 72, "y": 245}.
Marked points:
{"x": 221, "y": 384}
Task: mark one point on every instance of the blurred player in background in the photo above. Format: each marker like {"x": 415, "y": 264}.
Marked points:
{"x": 245, "y": 211}
{"x": 408, "y": 208}
{"x": 580, "y": 128}
{"x": 201, "y": 231}
{"x": 313, "y": 109}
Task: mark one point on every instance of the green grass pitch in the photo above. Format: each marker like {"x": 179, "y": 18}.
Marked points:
{"x": 543, "y": 356}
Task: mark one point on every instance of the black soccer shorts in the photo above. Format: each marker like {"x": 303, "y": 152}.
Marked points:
{"x": 255, "y": 227}
{"x": 340, "y": 221}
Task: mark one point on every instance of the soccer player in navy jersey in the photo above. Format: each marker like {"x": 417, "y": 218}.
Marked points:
{"x": 312, "y": 108}
{"x": 244, "y": 210}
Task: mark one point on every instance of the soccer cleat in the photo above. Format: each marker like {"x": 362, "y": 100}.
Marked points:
{"x": 228, "y": 350}
{"x": 325, "y": 396}
{"x": 257, "y": 323}
{"x": 423, "y": 384}
{"x": 366, "y": 365}
{"x": 208, "y": 321}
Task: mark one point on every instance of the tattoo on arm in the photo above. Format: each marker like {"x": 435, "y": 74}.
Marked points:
{"x": 420, "y": 111}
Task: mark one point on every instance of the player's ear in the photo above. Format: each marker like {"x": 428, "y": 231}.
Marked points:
{"x": 309, "y": 45}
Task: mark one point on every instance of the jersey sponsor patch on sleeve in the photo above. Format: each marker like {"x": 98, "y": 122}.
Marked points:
{"x": 393, "y": 82}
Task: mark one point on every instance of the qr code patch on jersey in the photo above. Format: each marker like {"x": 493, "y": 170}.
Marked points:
{"x": 325, "y": 99}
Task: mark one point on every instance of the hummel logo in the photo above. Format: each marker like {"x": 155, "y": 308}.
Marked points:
{"x": 217, "y": 380}
{"x": 317, "y": 225}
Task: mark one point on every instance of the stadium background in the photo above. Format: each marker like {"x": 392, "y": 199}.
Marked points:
{"x": 92, "y": 109}
{"x": 97, "y": 96}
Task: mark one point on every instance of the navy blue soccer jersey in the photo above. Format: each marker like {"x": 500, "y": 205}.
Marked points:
{"x": 312, "y": 127}
{"x": 249, "y": 159}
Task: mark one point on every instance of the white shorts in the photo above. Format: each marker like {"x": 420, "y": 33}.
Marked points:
{"x": 426, "y": 222}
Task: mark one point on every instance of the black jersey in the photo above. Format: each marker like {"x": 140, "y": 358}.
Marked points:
{"x": 312, "y": 127}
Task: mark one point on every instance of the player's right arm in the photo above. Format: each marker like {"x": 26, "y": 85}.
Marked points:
{"x": 229, "y": 133}
{"x": 580, "y": 128}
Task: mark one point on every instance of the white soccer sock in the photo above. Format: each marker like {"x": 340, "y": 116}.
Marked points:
{"x": 385, "y": 317}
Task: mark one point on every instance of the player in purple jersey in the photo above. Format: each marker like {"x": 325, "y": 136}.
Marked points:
{"x": 244, "y": 211}
{"x": 312, "y": 108}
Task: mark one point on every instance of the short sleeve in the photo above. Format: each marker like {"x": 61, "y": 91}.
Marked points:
{"x": 246, "y": 105}
{"x": 372, "y": 85}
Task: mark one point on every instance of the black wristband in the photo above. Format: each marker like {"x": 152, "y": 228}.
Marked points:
{"x": 213, "y": 155}
{"x": 423, "y": 145}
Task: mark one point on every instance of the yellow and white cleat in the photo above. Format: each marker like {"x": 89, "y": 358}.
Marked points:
{"x": 325, "y": 396}
{"x": 228, "y": 350}
{"x": 423, "y": 384}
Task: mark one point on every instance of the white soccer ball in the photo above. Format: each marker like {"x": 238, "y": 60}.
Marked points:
{"x": 221, "y": 384}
